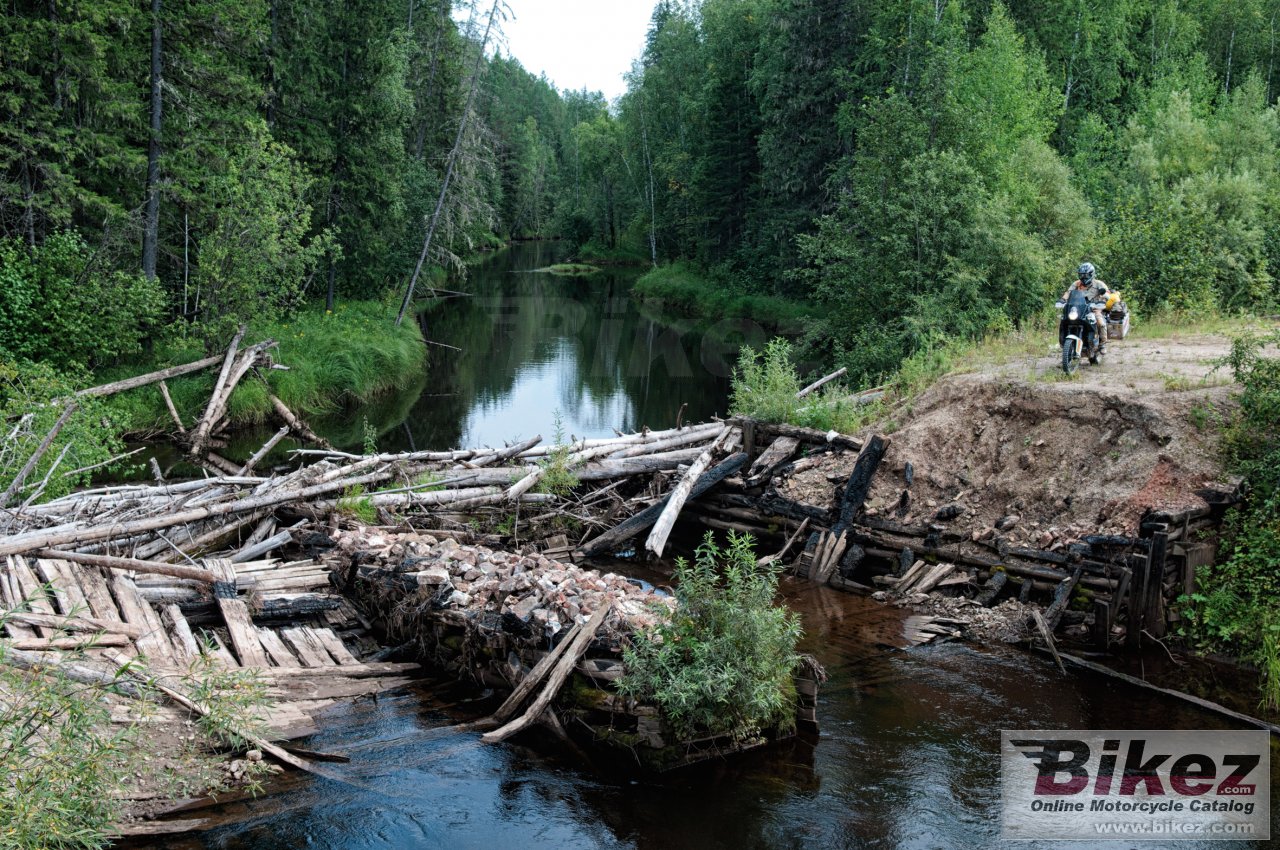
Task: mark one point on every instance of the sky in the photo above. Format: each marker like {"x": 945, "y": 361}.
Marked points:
{"x": 578, "y": 42}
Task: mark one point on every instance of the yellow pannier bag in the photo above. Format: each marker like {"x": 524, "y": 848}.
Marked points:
{"x": 1113, "y": 298}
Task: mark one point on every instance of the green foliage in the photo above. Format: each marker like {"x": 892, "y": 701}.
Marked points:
{"x": 67, "y": 765}
{"x": 679, "y": 288}
{"x": 721, "y": 663}
{"x": 349, "y": 355}
{"x": 32, "y": 399}
{"x": 256, "y": 252}
{"x": 357, "y": 505}
{"x": 764, "y": 386}
{"x": 558, "y": 477}
{"x": 60, "y": 304}
{"x": 62, "y": 759}
{"x": 1237, "y": 608}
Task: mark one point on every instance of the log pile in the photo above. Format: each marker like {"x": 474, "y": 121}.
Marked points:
{"x": 530, "y": 624}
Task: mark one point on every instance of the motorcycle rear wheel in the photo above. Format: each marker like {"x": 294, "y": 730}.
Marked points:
{"x": 1070, "y": 362}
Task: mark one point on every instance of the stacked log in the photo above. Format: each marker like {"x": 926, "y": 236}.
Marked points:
{"x": 510, "y": 621}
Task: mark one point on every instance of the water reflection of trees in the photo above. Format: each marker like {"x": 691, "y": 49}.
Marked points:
{"x": 580, "y": 344}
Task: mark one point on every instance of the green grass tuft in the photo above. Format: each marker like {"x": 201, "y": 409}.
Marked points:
{"x": 347, "y": 356}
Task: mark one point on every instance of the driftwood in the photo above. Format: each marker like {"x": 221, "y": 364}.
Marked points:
{"x": 213, "y": 410}
{"x": 264, "y": 451}
{"x": 821, "y": 381}
{"x": 18, "y": 479}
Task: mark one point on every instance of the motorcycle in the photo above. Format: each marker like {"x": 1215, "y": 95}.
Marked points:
{"x": 1078, "y": 332}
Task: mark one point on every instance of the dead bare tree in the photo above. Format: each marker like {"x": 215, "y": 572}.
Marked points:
{"x": 450, "y": 162}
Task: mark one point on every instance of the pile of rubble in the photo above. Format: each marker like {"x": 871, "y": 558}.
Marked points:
{"x": 531, "y": 592}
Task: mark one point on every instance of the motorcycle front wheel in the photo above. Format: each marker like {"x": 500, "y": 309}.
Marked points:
{"x": 1070, "y": 363}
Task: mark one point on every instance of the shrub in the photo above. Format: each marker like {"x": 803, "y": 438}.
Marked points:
{"x": 32, "y": 398}
{"x": 60, "y": 305}
{"x": 1236, "y": 608}
{"x": 722, "y": 663}
{"x": 764, "y": 386}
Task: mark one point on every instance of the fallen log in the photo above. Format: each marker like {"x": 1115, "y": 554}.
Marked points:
{"x": 808, "y": 435}
{"x": 859, "y": 484}
{"x": 991, "y": 589}
{"x": 778, "y": 453}
{"x": 563, "y": 667}
{"x": 644, "y": 519}
{"x": 680, "y": 493}
{"x": 264, "y": 451}
{"x": 16, "y": 484}
{"x": 826, "y": 379}
{"x": 1194, "y": 700}
{"x": 136, "y": 565}
{"x": 213, "y": 408}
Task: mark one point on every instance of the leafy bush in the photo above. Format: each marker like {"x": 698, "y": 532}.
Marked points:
{"x": 61, "y": 758}
{"x": 1238, "y": 606}
{"x": 60, "y": 305}
{"x": 764, "y": 386}
{"x": 722, "y": 663}
{"x": 256, "y": 252}
{"x": 32, "y": 398}
{"x": 65, "y": 764}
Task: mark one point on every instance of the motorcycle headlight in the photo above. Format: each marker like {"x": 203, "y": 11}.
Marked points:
{"x": 1073, "y": 314}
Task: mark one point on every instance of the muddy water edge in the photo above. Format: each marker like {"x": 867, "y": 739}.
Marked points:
{"x": 908, "y": 752}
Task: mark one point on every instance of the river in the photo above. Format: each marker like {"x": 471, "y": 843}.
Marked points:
{"x": 908, "y": 752}
{"x": 908, "y": 757}
{"x": 526, "y": 347}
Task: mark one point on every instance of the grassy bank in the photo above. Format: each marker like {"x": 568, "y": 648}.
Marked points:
{"x": 348, "y": 356}
{"x": 681, "y": 289}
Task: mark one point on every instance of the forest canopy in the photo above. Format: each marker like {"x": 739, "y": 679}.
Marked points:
{"x": 914, "y": 170}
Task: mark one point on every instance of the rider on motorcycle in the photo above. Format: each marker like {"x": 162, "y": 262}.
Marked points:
{"x": 1095, "y": 291}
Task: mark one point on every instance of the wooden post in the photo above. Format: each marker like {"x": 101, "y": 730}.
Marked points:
{"x": 1101, "y": 633}
{"x": 1153, "y": 620}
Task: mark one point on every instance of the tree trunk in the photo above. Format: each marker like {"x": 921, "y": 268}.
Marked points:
{"x": 448, "y": 171}
{"x": 151, "y": 223}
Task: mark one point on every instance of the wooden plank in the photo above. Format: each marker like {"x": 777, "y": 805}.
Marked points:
{"x": 334, "y": 645}
{"x": 280, "y": 654}
{"x": 98, "y": 594}
{"x": 184, "y": 642}
{"x": 644, "y": 519}
{"x": 48, "y": 573}
{"x": 31, "y": 592}
{"x": 778, "y": 453}
{"x": 240, "y": 628}
{"x": 310, "y": 656}
{"x": 136, "y": 611}
{"x": 221, "y": 655}
{"x": 71, "y": 578}
{"x": 12, "y": 599}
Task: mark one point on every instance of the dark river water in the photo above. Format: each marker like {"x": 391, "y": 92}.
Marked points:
{"x": 908, "y": 755}
{"x": 533, "y": 347}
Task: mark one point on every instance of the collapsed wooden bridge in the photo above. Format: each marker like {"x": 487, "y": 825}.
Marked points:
{"x": 256, "y": 570}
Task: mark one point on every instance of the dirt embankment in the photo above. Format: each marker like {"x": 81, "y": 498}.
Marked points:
{"x": 1019, "y": 449}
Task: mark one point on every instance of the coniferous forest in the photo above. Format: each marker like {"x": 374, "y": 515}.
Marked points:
{"x": 912, "y": 168}
{"x": 888, "y": 184}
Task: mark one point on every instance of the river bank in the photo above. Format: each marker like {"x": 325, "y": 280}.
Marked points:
{"x": 344, "y": 357}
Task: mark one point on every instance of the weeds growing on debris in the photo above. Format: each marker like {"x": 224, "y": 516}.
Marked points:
{"x": 67, "y": 767}
{"x": 723, "y": 662}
